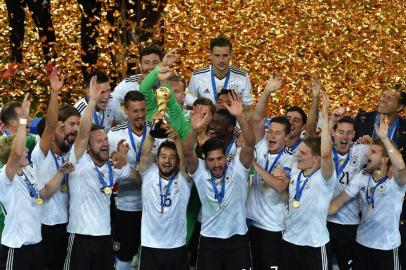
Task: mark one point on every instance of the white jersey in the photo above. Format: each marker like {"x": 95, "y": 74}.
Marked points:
{"x": 229, "y": 218}
{"x": 167, "y": 229}
{"x": 55, "y": 209}
{"x": 306, "y": 225}
{"x": 379, "y": 226}
{"x": 349, "y": 213}
{"x": 131, "y": 83}
{"x": 128, "y": 197}
{"x": 265, "y": 206}
{"x": 112, "y": 114}
{"x": 22, "y": 223}
{"x": 89, "y": 207}
{"x": 200, "y": 84}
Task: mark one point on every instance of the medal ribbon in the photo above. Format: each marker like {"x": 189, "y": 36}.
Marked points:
{"x": 299, "y": 189}
{"x": 96, "y": 119}
{"x": 219, "y": 195}
{"x": 339, "y": 169}
{"x": 6, "y": 133}
{"x": 370, "y": 199}
{"x": 213, "y": 82}
{"x": 164, "y": 197}
{"x": 293, "y": 147}
{"x": 31, "y": 188}
{"x": 130, "y": 134}
{"x": 392, "y": 129}
{"x": 101, "y": 178}
{"x": 65, "y": 178}
{"x": 274, "y": 162}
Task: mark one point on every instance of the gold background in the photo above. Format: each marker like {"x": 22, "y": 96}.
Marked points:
{"x": 356, "y": 47}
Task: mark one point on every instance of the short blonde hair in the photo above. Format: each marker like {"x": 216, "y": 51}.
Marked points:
{"x": 5, "y": 148}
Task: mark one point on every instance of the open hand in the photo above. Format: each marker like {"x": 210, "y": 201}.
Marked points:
{"x": 56, "y": 81}
{"x": 274, "y": 83}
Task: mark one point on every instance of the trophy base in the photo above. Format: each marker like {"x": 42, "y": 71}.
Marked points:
{"x": 158, "y": 131}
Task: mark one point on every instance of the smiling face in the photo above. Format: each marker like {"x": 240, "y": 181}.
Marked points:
{"x": 343, "y": 135}
{"x": 220, "y": 58}
{"x": 296, "y": 123}
{"x": 101, "y": 102}
{"x": 216, "y": 162}
{"x": 99, "y": 146}
{"x": 305, "y": 158}
{"x": 376, "y": 157}
{"x": 389, "y": 102}
{"x": 276, "y": 137}
{"x": 149, "y": 62}
{"x": 136, "y": 112}
{"x": 168, "y": 161}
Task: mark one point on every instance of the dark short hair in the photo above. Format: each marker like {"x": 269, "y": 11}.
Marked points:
{"x": 283, "y": 121}
{"x": 345, "y": 119}
{"x": 8, "y": 112}
{"x": 221, "y": 41}
{"x": 168, "y": 144}
{"x": 101, "y": 78}
{"x": 152, "y": 49}
{"x": 206, "y": 102}
{"x": 133, "y": 96}
{"x": 66, "y": 111}
{"x": 230, "y": 118}
{"x": 211, "y": 145}
{"x": 402, "y": 95}
{"x": 384, "y": 151}
{"x": 223, "y": 92}
{"x": 177, "y": 78}
{"x": 96, "y": 127}
{"x": 300, "y": 111}
{"x": 314, "y": 143}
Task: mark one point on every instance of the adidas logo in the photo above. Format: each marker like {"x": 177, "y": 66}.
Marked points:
{"x": 206, "y": 91}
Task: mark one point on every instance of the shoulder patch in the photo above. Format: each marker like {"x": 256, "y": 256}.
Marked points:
{"x": 365, "y": 172}
{"x": 149, "y": 123}
{"x": 133, "y": 78}
{"x": 238, "y": 71}
{"x": 288, "y": 152}
{"x": 119, "y": 127}
{"x": 81, "y": 105}
{"x": 203, "y": 70}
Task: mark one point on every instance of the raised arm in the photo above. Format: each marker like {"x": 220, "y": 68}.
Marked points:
{"x": 273, "y": 84}
{"x": 174, "y": 136}
{"x": 146, "y": 156}
{"x": 82, "y": 138}
{"x": 395, "y": 156}
{"x": 54, "y": 184}
{"x": 199, "y": 119}
{"x": 56, "y": 83}
{"x": 247, "y": 149}
{"x": 311, "y": 124}
{"x": 18, "y": 147}
{"x": 327, "y": 167}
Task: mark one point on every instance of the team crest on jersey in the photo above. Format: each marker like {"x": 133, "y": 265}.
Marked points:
{"x": 229, "y": 178}
{"x": 363, "y": 189}
{"x": 176, "y": 186}
{"x": 354, "y": 161}
{"x": 207, "y": 91}
{"x": 381, "y": 188}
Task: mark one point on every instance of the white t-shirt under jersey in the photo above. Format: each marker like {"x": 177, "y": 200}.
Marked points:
{"x": 125, "y": 86}
{"x": 265, "y": 206}
{"x": 167, "y": 230}
{"x": 379, "y": 226}
{"x": 306, "y": 225}
{"x": 89, "y": 207}
{"x": 128, "y": 197}
{"x": 229, "y": 219}
{"x": 349, "y": 213}
{"x": 112, "y": 114}
{"x": 22, "y": 223}
{"x": 200, "y": 84}
{"x": 55, "y": 209}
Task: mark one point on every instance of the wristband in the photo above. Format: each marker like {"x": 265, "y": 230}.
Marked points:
{"x": 23, "y": 121}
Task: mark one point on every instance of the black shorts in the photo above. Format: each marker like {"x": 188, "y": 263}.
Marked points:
{"x": 342, "y": 240}
{"x": 89, "y": 252}
{"x": 55, "y": 242}
{"x": 224, "y": 254}
{"x": 163, "y": 259}
{"x": 295, "y": 257}
{"x": 375, "y": 259}
{"x": 126, "y": 233}
{"x": 23, "y": 258}
{"x": 265, "y": 248}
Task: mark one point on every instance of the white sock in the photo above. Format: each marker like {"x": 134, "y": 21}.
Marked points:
{"x": 120, "y": 265}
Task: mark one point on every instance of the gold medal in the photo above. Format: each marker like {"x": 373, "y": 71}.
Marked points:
{"x": 296, "y": 204}
{"x": 369, "y": 205}
{"x": 39, "y": 201}
{"x": 64, "y": 188}
{"x": 107, "y": 190}
{"x": 162, "y": 210}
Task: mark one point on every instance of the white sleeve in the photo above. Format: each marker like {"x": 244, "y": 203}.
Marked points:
{"x": 354, "y": 187}
{"x": 112, "y": 142}
{"x": 193, "y": 87}
{"x": 37, "y": 156}
{"x": 5, "y": 182}
{"x": 118, "y": 114}
{"x": 122, "y": 89}
{"x": 246, "y": 92}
